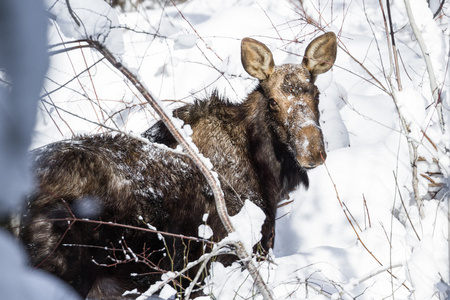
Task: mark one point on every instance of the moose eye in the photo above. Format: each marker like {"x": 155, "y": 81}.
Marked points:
{"x": 272, "y": 103}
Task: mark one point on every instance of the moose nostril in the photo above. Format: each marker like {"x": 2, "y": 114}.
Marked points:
{"x": 313, "y": 165}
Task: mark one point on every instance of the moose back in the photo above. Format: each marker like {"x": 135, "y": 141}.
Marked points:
{"x": 261, "y": 149}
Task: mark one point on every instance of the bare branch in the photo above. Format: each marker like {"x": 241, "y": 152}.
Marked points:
{"x": 72, "y": 14}
{"x": 394, "y": 47}
{"x": 438, "y": 11}
{"x": 412, "y": 146}
{"x": 74, "y": 219}
{"x": 430, "y": 69}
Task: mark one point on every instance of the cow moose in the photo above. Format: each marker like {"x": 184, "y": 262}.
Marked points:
{"x": 261, "y": 149}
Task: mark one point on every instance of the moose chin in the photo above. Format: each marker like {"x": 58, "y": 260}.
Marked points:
{"x": 261, "y": 149}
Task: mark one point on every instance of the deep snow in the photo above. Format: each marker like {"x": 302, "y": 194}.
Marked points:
{"x": 383, "y": 249}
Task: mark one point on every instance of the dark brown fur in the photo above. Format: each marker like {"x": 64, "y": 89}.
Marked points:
{"x": 130, "y": 182}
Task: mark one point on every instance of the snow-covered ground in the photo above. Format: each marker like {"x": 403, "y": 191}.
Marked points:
{"x": 357, "y": 231}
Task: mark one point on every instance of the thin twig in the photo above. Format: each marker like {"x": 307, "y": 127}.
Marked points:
{"x": 394, "y": 47}
{"x": 367, "y": 210}
{"x": 351, "y": 224}
{"x": 62, "y": 237}
{"x": 351, "y": 215}
{"x": 114, "y": 224}
{"x": 342, "y": 47}
{"x": 438, "y": 11}
{"x": 404, "y": 207}
{"x": 348, "y": 218}
{"x": 379, "y": 270}
{"x": 72, "y": 14}
{"x": 204, "y": 258}
{"x": 55, "y": 52}
{"x": 199, "y": 36}
{"x": 72, "y": 79}
{"x": 91, "y": 80}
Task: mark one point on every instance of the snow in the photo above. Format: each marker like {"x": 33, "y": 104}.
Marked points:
{"x": 247, "y": 224}
{"x": 204, "y": 231}
{"x": 96, "y": 19}
{"x": 167, "y": 291}
{"x": 358, "y": 222}
{"x": 185, "y": 41}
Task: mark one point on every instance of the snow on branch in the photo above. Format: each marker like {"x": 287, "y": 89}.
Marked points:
{"x": 426, "y": 55}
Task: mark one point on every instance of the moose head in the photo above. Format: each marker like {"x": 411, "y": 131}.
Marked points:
{"x": 292, "y": 97}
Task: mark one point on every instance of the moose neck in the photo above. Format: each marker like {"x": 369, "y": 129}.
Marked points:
{"x": 277, "y": 169}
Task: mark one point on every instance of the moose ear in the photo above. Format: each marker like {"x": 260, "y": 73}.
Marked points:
{"x": 320, "y": 54}
{"x": 256, "y": 59}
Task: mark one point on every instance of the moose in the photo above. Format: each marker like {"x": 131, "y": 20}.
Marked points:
{"x": 261, "y": 149}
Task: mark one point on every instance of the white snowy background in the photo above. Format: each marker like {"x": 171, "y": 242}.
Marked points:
{"x": 357, "y": 231}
